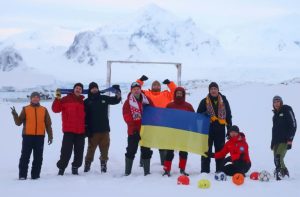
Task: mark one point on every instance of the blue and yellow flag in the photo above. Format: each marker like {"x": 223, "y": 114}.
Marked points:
{"x": 173, "y": 129}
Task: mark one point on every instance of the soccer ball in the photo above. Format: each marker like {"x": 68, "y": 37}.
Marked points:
{"x": 254, "y": 176}
{"x": 238, "y": 179}
{"x": 203, "y": 184}
{"x": 183, "y": 180}
{"x": 220, "y": 176}
{"x": 264, "y": 176}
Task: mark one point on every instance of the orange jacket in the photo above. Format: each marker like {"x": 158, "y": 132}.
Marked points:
{"x": 35, "y": 120}
{"x": 160, "y": 99}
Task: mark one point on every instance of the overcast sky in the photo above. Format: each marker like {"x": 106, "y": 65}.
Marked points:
{"x": 17, "y": 15}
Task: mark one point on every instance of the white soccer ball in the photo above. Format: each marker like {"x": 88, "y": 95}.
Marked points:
{"x": 264, "y": 176}
{"x": 220, "y": 176}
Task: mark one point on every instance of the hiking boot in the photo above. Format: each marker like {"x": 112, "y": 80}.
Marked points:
{"x": 87, "y": 166}
{"x": 103, "y": 166}
{"x": 183, "y": 172}
{"x": 166, "y": 173}
{"x": 61, "y": 172}
{"x": 74, "y": 171}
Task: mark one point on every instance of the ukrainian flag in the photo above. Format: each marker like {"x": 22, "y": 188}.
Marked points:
{"x": 174, "y": 129}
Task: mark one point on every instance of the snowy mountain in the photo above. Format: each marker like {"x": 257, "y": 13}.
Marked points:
{"x": 275, "y": 37}
{"x": 10, "y": 59}
{"x": 151, "y": 32}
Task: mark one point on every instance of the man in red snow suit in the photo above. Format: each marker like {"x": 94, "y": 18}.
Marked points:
{"x": 237, "y": 147}
{"x": 180, "y": 104}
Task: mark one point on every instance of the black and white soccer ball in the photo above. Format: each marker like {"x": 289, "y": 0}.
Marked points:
{"x": 264, "y": 176}
{"x": 220, "y": 176}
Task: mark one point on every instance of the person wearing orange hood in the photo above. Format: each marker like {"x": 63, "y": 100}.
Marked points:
{"x": 180, "y": 104}
{"x": 160, "y": 99}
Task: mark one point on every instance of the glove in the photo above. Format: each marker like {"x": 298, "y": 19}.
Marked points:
{"x": 210, "y": 154}
{"x": 117, "y": 88}
{"x": 166, "y": 81}
{"x": 13, "y": 111}
{"x": 144, "y": 78}
{"x": 289, "y": 146}
{"x": 50, "y": 140}
{"x": 58, "y": 94}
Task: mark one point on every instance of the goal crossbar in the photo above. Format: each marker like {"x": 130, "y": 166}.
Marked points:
{"x": 110, "y": 62}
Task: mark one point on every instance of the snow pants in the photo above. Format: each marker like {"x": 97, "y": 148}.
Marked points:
{"x": 70, "y": 141}
{"x": 31, "y": 144}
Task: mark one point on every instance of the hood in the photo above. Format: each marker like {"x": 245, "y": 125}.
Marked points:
{"x": 182, "y": 99}
{"x": 240, "y": 137}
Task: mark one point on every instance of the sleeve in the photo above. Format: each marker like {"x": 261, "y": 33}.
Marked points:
{"x": 292, "y": 124}
{"x": 222, "y": 153}
{"x": 172, "y": 86}
{"x": 56, "y": 105}
{"x": 228, "y": 113}
{"x": 140, "y": 82}
{"x": 112, "y": 100}
{"x": 48, "y": 124}
{"x": 202, "y": 107}
{"x": 21, "y": 118}
{"x": 127, "y": 113}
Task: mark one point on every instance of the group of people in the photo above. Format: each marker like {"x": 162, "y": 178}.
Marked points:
{"x": 89, "y": 118}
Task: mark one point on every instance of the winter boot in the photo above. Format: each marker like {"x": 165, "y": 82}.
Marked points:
{"x": 74, "y": 171}
{"x": 277, "y": 172}
{"x": 162, "y": 154}
{"x": 166, "y": 173}
{"x": 167, "y": 168}
{"x": 182, "y": 165}
{"x": 146, "y": 166}
{"x": 184, "y": 173}
{"x": 205, "y": 164}
{"x": 141, "y": 161}
{"x": 87, "y": 166}
{"x": 128, "y": 166}
{"x": 103, "y": 166}
{"x": 285, "y": 172}
{"x": 61, "y": 172}
{"x": 22, "y": 178}
{"x": 219, "y": 165}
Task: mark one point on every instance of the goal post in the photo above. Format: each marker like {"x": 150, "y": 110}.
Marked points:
{"x": 110, "y": 62}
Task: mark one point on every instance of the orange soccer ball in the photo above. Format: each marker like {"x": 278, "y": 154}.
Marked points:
{"x": 238, "y": 179}
{"x": 183, "y": 180}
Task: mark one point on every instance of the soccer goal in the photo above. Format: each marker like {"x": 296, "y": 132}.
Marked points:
{"x": 111, "y": 62}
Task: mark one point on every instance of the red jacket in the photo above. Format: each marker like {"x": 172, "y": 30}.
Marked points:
{"x": 235, "y": 146}
{"x": 180, "y": 104}
{"x": 133, "y": 125}
{"x": 73, "y": 115}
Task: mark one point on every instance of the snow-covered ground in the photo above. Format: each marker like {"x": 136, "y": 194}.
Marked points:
{"x": 252, "y": 111}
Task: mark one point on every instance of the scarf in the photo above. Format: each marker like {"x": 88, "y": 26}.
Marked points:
{"x": 136, "y": 111}
{"x": 221, "y": 118}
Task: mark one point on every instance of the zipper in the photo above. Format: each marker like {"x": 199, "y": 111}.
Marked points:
{"x": 35, "y": 121}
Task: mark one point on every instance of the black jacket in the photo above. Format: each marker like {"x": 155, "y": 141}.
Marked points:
{"x": 202, "y": 108}
{"x": 284, "y": 125}
{"x": 96, "y": 112}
